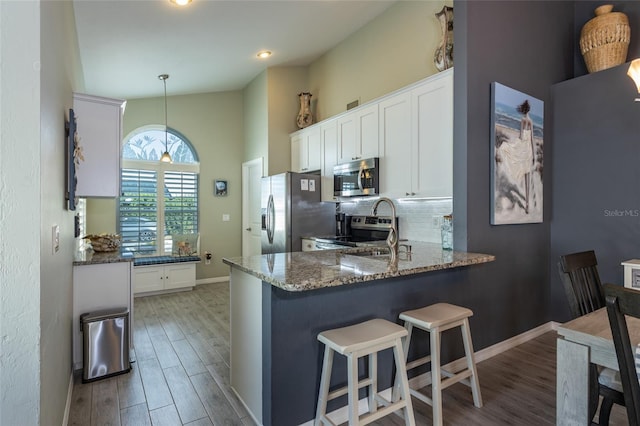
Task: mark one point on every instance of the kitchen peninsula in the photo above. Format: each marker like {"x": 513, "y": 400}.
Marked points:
{"x": 280, "y": 302}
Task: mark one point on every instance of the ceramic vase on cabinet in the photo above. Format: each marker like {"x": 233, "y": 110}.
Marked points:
{"x": 304, "y": 118}
{"x": 604, "y": 40}
{"x": 443, "y": 57}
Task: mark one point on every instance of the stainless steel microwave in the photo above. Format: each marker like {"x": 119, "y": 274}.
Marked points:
{"x": 357, "y": 178}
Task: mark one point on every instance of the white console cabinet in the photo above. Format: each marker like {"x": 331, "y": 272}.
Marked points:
{"x": 161, "y": 277}
{"x": 96, "y": 287}
{"x": 99, "y": 122}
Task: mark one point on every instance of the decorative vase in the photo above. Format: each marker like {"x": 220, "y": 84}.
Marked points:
{"x": 443, "y": 57}
{"x": 304, "y": 118}
{"x": 604, "y": 40}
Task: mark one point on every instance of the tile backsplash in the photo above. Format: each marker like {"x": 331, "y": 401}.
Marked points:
{"x": 418, "y": 219}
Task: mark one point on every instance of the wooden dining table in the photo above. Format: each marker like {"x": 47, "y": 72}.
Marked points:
{"x": 581, "y": 341}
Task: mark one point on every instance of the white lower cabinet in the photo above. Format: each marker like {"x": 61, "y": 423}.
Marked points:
{"x": 96, "y": 287}
{"x": 164, "y": 277}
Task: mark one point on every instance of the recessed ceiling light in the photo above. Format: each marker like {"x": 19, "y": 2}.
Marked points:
{"x": 180, "y": 2}
{"x": 263, "y": 54}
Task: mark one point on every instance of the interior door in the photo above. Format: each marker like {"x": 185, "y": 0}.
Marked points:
{"x": 251, "y": 221}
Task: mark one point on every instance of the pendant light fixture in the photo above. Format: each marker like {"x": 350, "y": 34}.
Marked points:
{"x": 166, "y": 158}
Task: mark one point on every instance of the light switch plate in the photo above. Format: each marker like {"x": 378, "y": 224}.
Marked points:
{"x": 55, "y": 239}
{"x": 225, "y": 218}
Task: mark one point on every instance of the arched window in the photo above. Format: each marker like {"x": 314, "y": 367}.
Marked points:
{"x": 158, "y": 204}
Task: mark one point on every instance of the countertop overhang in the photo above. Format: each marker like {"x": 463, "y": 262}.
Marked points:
{"x": 310, "y": 270}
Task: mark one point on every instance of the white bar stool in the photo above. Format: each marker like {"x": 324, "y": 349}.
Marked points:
{"x": 366, "y": 338}
{"x": 435, "y": 319}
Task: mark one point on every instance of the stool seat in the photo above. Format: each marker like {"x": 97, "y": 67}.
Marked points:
{"x": 435, "y": 319}
{"x": 355, "y": 341}
{"x": 365, "y": 335}
{"x": 436, "y": 315}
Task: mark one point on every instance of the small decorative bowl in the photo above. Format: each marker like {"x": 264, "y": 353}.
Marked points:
{"x": 104, "y": 242}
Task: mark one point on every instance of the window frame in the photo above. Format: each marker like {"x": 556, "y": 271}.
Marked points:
{"x": 160, "y": 168}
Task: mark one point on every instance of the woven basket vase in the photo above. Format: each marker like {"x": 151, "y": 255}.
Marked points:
{"x": 604, "y": 40}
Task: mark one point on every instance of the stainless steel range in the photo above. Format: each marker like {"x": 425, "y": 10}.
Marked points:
{"x": 362, "y": 230}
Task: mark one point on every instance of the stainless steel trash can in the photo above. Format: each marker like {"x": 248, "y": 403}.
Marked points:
{"x": 105, "y": 343}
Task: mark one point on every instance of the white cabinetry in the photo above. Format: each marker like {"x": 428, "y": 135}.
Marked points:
{"x": 168, "y": 276}
{"x": 416, "y": 140}
{"x": 95, "y": 287}
{"x": 432, "y": 136}
{"x": 329, "y": 141}
{"x": 395, "y": 146}
{"x": 99, "y": 122}
{"x": 305, "y": 150}
{"x": 358, "y": 134}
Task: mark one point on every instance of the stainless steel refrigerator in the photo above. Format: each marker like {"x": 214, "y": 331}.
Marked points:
{"x": 291, "y": 209}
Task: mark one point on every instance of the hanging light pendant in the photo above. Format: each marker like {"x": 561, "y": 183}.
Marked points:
{"x": 166, "y": 158}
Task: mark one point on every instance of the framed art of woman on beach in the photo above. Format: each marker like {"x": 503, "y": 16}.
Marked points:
{"x": 517, "y": 156}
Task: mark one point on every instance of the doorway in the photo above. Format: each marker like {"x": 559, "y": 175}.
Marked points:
{"x": 251, "y": 219}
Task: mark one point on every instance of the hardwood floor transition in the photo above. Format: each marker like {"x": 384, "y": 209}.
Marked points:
{"x": 181, "y": 375}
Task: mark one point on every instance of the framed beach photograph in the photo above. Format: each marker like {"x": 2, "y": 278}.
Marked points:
{"x": 220, "y": 188}
{"x": 517, "y": 130}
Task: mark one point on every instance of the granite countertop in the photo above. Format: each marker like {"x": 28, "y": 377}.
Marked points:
{"x": 310, "y": 270}
{"x": 90, "y": 257}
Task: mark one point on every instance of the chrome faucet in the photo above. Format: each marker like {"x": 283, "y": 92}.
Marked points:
{"x": 392, "y": 238}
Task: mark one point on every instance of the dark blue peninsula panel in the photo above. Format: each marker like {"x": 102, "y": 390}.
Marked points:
{"x": 279, "y": 304}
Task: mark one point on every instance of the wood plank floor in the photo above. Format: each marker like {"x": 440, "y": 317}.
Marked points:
{"x": 181, "y": 375}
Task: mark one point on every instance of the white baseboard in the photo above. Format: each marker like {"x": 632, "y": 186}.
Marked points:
{"x": 341, "y": 415}
{"x": 67, "y": 406}
{"x": 212, "y": 280}
{"x": 486, "y": 353}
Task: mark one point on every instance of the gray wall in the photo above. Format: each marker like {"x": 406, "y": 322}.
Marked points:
{"x": 596, "y": 205}
{"x": 526, "y": 46}
{"x": 595, "y": 161}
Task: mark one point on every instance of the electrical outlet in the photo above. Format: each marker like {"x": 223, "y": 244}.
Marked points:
{"x": 207, "y": 258}
{"x": 226, "y": 217}
{"x": 436, "y": 221}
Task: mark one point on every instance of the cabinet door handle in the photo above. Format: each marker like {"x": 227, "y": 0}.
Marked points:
{"x": 406, "y": 193}
{"x": 248, "y": 229}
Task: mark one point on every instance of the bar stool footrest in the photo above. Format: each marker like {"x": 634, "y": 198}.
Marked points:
{"x": 344, "y": 390}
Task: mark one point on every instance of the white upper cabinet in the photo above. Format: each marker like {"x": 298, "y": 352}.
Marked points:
{"x": 99, "y": 122}
{"x": 329, "y": 140}
{"x": 306, "y": 150}
{"x": 416, "y": 140}
{"x": 396, "y": 162}
{"x": 358, "y": 134}
{"x": 410, "y": 130}
{"x": 432, "y": 136}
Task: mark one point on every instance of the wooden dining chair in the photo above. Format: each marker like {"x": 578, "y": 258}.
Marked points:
{"x": 623, "y": 301}
{"x": 579, "y": 274}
